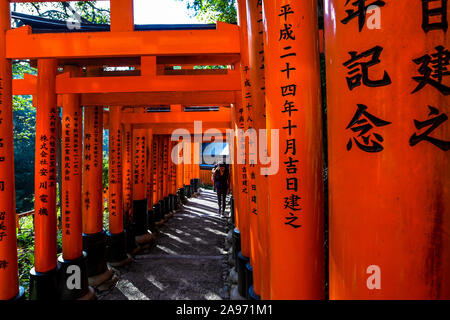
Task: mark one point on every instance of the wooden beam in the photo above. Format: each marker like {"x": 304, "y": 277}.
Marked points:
{"x": 158, "y": 98}
{"x": 190, "y": 83}
{"x": 22, "y": 44}
{"x": 222, "y": 115}
{"x": 168, "y": 128}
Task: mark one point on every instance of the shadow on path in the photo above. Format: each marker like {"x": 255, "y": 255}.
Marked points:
{"x": 188, "y": 261}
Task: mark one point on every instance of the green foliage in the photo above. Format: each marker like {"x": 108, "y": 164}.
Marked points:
{"x": 89, "y": 11}
{"x": 25, "y": 250}
{"x": 211, "y": 11}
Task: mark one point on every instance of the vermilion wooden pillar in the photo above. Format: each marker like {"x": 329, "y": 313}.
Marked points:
{"x": 43, "y": 283}
{"x": 72, "y": 240}
{"x": 127, "y": 172}
{"x": 160, "y": 182}
{"x": 150, "y": 168}
{"x": 187, "y": 166}
{"x": 234, "y": 166}
{"x": 258, "y": 182}
{"x": 243, "y": 103}
{"x": 296, "y": 192}
{"x": 150, "y": 182}
{"x": 9, "y": 281}
{"x": 173, "y": 170}
{"x": 388, "y": 138}
{"x": 140, "y": 224}
{"x": 117, "y": 245}
{"x": 94, "y": 236}
{"x": 154, "y": 170}
{"x": 257, "y": 77}
{"x": 122, "y": 15}
{"x": 92, "y": 206}
{"x": 166, "y": 172}
{"x": 71, "y": 173}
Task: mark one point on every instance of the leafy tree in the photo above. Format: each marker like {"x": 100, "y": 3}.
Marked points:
{"x": 211, "y": 11}
{"x": 89, "y": 12}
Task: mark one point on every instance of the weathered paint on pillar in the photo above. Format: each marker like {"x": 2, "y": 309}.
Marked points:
{"x": 180, "y": 166}
{"x": 389, "y": 136}
{"x": 165, "y": 164}
{"x": 234, "y": 166}
{"x": 150, "y": 156}
{"x": 9, "y": 281}
{"x": 161, "y": 167}
{"x": 139, "y": 164}
{"x": 115, "y": 206}
{"x": 187, "y": 162}
{"x": 195, "y": 160}
{"x": 174, "y": 169}
{"x": 45, "y": 168}
{"x": 92, "y": 206}
{"x": 127, "y": 172}
{"x": 242, "y": 104}
{"x": 293, "y": 107}
{"x": 155, "y": 175}
{"x": 72, "y": 241}
{"x": 258, "y": 182}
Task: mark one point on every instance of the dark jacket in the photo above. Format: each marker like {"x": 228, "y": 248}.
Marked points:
{"x": 221, "y": 182}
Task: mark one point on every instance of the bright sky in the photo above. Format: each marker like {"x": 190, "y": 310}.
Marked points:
{"x": 156, "y": 12}
{"x": 161, "y": 12}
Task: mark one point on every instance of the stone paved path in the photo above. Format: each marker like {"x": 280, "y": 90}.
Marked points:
{"x": 189, "y": 261}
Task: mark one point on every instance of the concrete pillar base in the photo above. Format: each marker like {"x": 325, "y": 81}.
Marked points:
{"x": 116, "y": 246}
{"x": 236, "y": 245}
{"x": 95, "y": 247}
{"x": 122, "y": 263}
{"x": 241, "y": 267}
{"x": 98, "y": 280}
{"x": 248, "y": 279}
{"x": 90, "y": 295}
{"x": 144, "y": 239}
{"x": 44, "y": 285}
{"x": 252, "y": 295}
{"x": 70, "y": 270}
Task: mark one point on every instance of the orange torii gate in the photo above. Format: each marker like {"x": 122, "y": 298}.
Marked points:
{"x": 152, "y": 82}
{"x": 395, "y": 215}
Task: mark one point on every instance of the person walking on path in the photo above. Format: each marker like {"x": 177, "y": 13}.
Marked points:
{"x": 221, "y": 186}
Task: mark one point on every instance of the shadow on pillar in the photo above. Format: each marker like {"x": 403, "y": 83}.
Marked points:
{"x": 182, "y": 195}
{"x": 151, "y": 220}
{"x": 131, "y": 245}
{"x": 188, "y": 190}
{"x": 252, "y": 295}
{"x": 140, "y": 222}
{"x": 162, "y": 210}
{"x": 20, "y": 296}
{"x": 116, "y": 248}
{"x": 73, "y": 279}
{"x": 97, "y": 269}
{"x": 248, "y": 280}
{"x": 236, "y": 245}
{"x": 166, "y": 208}
{"x": 157, "y": 214}
{"x": 233, "y": 218}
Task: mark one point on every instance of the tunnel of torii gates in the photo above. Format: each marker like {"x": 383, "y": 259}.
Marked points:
{"x": 388, "y": 137}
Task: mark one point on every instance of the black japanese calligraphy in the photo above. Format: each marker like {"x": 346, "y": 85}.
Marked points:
{"x": 432, "y": 123}
{"x": 363, "y": 126}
